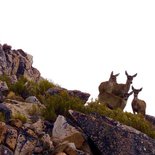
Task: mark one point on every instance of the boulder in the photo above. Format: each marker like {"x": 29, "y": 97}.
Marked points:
{"x": 82, "y": 95}
{"x": 75, "y": 93}
{"x": 62, "y": 131}
{"x": 110, "y": 137}
{"x": 32, "y": 99}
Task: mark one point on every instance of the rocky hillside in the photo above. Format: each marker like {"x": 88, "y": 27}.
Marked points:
{"x": 38, "y": 117}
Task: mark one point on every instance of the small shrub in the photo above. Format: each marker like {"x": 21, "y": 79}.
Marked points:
{"x": 20, "y": 117}
{"x": 59, "y": 104}
{"x": 2, "y": 117}
{"x": 19, "y": 87}
{"x": 44, "y": 85}
{"x": 34, "y": 110}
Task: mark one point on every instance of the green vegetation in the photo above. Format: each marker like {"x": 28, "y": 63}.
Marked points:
{"x": 59, "y": 104}
{"x": 2, "y": 117}
{"x": 34, "y": 110}
{"x": 136, "y": 121}
{"x": 20, "y": 117}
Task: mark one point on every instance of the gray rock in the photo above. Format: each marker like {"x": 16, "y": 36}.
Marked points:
{"x": 111, "y": 138}
{"x": 11, "y": 138}
{"x": 75, "y": 93}
{"x": 62, "y": 131}
{"x": 17, "y": 62}
{"x": 82, "y": 95}
{"x": 6, "y": 111}
{"x": 32, "y": 99}
{"x": 5, "y": 151}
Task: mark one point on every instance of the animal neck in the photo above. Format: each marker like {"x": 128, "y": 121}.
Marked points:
{"x": 128, "y": 83}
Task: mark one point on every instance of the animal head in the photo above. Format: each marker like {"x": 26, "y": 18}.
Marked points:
{"x": 113, "y": 78}
{"x": 130, "y": 77}
{"x": 136, "y": 91}
{"x": 126, "y": 95}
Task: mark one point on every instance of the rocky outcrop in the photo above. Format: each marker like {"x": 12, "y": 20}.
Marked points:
{"x": 16, "y": 63}
{"x": 74, "y": 93}
{"x": 62, "y": 131}
{"x": 110, "y": 137}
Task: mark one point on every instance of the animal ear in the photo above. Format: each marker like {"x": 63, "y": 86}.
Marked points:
{"x": 131, "y": 93}
{"x": 132, "y": 88}
{"x": 126, "y": 73}
{"x": 117, "y": 74}
{"x": 111, "y": 73}
{"x": 134, "y": 75}
{"x": 140, "y": 89}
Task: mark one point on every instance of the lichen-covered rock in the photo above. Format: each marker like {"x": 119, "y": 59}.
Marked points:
{"x": 3, "y": 86}
{"x": 5, "y": 150}
{"x": 111, "y": 137}
{"x": 3, "y": 130}
{"x": 82, "y": 95}
{"x": 20, "y": 142}
{"x": 16, "y": 123}
{"x": 11, "y": 138}
{"x": 47, "y": 142}
{"x": 62, "y": 131}
{"x": 75, "y": 93}
{"x": 6, "y": 111}
{"x": 17, "y": 62}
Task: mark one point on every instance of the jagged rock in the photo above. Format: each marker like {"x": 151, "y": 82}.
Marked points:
{"x": 6, "y": 111}
{"x": 53, "y": 91}
{"x": 38, "y": 126}
{"x": 32, "y": 99}
{"x": 28, "y": 147}
{"x": 68, "y": 148}
{"x": 26, "y": 143}
{"x": 5, "y": 151}
{"x": 3, "y": 130}
{"x": 11, "y": 137}
{"x": 16, "y": 123}
{"x": 111, "y": 137}
{"x": 83, "y": 96}
{"x": 23, "y": 108}
{"x": 20, "y": 142}
{"x": 62, "y": 131}
{"x": 3, "y": 86}
{"x": 17, "y": 62}
{"x": 150, "y": 119}
{"x": 47, "y": 143}
{"x": 75, "y": 93}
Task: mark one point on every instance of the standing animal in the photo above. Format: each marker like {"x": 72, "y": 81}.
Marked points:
{"x": 121, "y": 89}
{"x": 107, "y": 86}
{"x": 138, "y": 105}
{"x": 112, "y": 101}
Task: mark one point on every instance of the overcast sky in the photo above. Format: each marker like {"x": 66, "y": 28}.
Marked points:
{"x": 77, "y": 44}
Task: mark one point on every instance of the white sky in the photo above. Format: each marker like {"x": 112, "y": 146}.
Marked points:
{"x": 77, "y": 44}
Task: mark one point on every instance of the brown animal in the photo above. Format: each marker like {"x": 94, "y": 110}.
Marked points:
{"x": 112, "y": 101}
{"x": 107, "y": 86}
{"x": 138, "y": 105}
{"x": 121, "y": 89}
